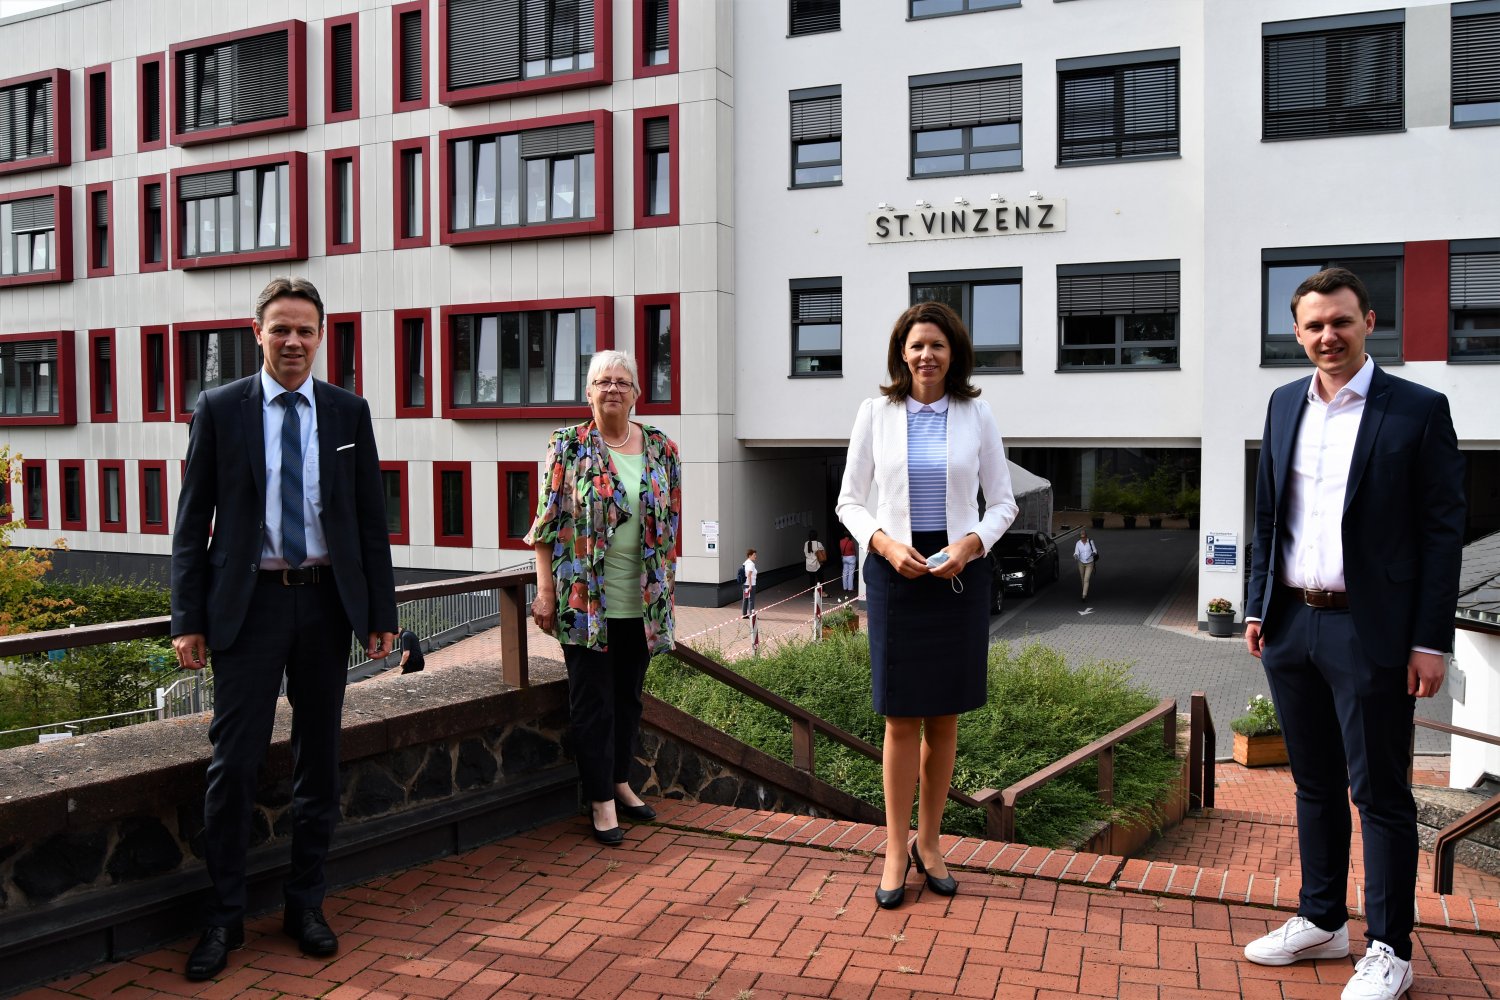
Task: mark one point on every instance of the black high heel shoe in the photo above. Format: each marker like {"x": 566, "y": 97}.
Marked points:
{"x": 889, "y": 899}
{"x": 641, "y": 813}
{"x": 944, "y": 886}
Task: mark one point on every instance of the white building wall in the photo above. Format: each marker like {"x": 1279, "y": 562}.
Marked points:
{"x": 1477, "y": 655}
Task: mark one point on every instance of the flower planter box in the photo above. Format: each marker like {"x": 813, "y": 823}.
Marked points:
{"x": 1260, "y": 751}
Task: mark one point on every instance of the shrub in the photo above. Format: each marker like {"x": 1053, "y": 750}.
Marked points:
{"x": 1220, "y": 606}
{"x": 1259, "y": 720}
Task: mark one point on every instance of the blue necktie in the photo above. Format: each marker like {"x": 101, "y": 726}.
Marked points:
{"x": 293, "y": 531}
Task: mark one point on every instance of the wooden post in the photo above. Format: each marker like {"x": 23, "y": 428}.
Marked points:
{"x": 1195, "y": 750}
{"x": 802, "y": 745}
{"x": 515, "y": 667}
{"x": 1107, "y": 775}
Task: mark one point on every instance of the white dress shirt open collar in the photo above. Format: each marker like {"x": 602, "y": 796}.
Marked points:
{"x": 941, "y": 406}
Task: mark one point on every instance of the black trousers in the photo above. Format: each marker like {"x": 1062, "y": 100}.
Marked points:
{"x": 1348, "y": 733}
{"x": 604, "y": 702}
{"x": 304, "y": 633}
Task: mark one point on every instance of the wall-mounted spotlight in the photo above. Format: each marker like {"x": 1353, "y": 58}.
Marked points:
{"x": 923, "y": 203}
{"x": 1036, "y": 194}
{"x": 960, "y": 200}
{"x": 997, "y": 199}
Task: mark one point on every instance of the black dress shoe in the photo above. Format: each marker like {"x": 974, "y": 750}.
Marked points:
{"x": 613, "y": 837}
{"x": 641, "y": 813}
{"x": 944, "y": 886}
{"x": 211, "y": 953}
{"x": 310, "y": 930}
{"x": 889, "y": 899}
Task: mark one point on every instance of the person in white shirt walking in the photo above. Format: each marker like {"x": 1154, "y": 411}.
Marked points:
{"x": 1085, "y": 554}
{"x": 747, "y": 577}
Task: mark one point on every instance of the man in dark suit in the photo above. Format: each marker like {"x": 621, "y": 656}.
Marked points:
{"x": 1359, "y": 520}
{"x": 280, "y": 551}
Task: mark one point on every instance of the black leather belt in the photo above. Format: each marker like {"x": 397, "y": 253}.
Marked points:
{"x": 1328, "y": 599}
{"x": 297, "y": 577}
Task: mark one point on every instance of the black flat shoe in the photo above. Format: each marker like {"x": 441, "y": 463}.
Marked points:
{"x": 613, "y": 837}
{"x": 641, "y": 813}
{"x": 309, "y": 928}
{"x": 944, "y": 886}
{"x": 211, "y": 953}
{"x": 889, "y": 899}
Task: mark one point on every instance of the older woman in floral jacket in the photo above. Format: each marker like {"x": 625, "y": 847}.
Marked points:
{"x": 606, "y": 525}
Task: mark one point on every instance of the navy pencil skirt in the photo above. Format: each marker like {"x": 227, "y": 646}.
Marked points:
{"x": 928, "y": 645}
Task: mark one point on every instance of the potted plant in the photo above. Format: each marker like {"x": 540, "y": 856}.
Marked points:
{"x": 1104, "y": 498}
{"x": 1158, "y": 492}
{"x": 1220, "y": 617}
{"x": 1188, "y": 500}
{"x": 1258, "y": 741}
{"x": 1132, "y": 502}
{"x": 840, "y": 619}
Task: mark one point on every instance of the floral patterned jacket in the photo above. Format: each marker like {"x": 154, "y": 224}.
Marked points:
{"x": 578, "y": 508}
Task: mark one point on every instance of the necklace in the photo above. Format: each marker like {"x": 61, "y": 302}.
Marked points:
{"x": 629, "y": 430}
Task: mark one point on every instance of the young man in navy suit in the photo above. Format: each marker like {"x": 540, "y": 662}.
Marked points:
{"x": 279, "y": 553}
{"x": 1359, "y": 521}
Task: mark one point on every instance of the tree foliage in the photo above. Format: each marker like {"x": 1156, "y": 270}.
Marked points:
{"x": 24, "y": 605}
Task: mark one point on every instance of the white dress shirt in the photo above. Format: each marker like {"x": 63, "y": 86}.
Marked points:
{"x": 1084, "y": 551}
{"x": 272, "y": 415}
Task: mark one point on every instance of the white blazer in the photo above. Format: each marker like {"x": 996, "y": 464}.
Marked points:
{"x": 877, "y": 465}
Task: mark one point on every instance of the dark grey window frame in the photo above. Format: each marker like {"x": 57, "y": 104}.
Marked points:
{"x": 970, "y": 279}
{"x": 585, "y": 333}
{"x": 494, "y": 42}
{"x": 190, "y": 209}
{"x": 796, "y": 287}
{"x": 453, "y": 501}
{"x": 656, "y": 159}
{"x": 1171, "y": 305}
{"x": 656, "y": 373}
{"x": 812, "y": 17}
{"x": 153, "y": 239}
{"x": 1117, "y": 67}
{"x": 242, "y": 350}
{"x": 34, "y": 484}
{"x": 153, "y": 495}
{"x": 1475, "y": 63}
{"x": 517, "y": 515}
{"x": 966, "y": 7}
{"x": 345, "y": 341}
{"x": 932, "y": 89}
{"x": 27, "y": 121}
{"x": 341, "y": 70}
{"x": 30, "y": 376}
{"x": 395, "y": 501}
{"x": 817, "y": 118}
{"x": 1474, "y": 288}
{"x": 656, "y": 32}
{"x": 254, "y": 92}
{"x": 1350, "y": 256}
{"x": 29, "y": 218}
{"x": 572, "y": 151}
{"x": 1342, "y": 112}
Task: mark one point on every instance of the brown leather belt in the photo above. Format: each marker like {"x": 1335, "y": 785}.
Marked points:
{"x": 1328, "y": 599}
{"x": 296, "y": 577}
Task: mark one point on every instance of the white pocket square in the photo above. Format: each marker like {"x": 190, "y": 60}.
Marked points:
{"x": 345, "y": 447}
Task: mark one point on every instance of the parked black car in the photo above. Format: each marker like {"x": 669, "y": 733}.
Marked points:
{"x": 1022, "y": 561}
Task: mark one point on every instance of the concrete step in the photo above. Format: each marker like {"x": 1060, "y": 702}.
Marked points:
{"x": 1437, "y": 807}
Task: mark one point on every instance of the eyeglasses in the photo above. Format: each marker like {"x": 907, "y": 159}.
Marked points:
{"x": 612, "y": 385}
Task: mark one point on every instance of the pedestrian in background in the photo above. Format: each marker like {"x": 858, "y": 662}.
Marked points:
{"x": 746, "y": 577}
{"x": 849, "y": 555}
{"x": 412, "y": 660}
{"x": 1085, "y": 554}
{"x": 813, "y": 555}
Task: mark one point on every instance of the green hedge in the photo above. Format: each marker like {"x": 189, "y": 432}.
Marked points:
{"x": 1039, "y": 710}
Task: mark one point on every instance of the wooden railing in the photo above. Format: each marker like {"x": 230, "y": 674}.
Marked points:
{"x": 1201, "y": 752}
{"x": 1446, "y": 845}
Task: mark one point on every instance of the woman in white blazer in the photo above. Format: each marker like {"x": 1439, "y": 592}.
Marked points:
{"x": 918, "y": 456}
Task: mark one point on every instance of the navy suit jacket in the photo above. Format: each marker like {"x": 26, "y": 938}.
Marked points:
{"x": 1403, "y": 520}
{"x": 224, "y": 491}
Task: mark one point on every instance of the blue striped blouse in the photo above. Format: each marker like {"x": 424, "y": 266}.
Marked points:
{"x": 927, "y": 464}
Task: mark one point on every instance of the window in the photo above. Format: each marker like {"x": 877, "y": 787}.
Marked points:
{"x": 411, "y": 192}
{"x": 96, "y": 94}
{"x": 1474, "y": 299}
{"x": 255, "y": 211}
{"x": 208, "y": 357}
{"x": 655, "y": 37}
{"x": 498, "y": 48}
{"x": 525, "y": 180}
{"x": 153, "y": 497}
{"x": 74, "y": 499}
{"x": 341, "y": 219}
{"x": 517, "y": 503}
{"x": 101, "y": 258}
{"x": 1333, "y": 76}
{"x": 1118, "y": 315}
{"x": 409, "y": 56}
{"x": 343, "y": 351}
{"x": 1476, "y": 63}
{"x": 817, "y": 326}
{"x": 154, "y": 374}
{"x": 657, "y": 353}
{"x": 243, "y": 83}
{"x": 341, "y": 68}
{"x": 102, "y": 404}
{"x": 989, "y": 302}
{"x": 1118, "y": 107}
{"x": 36, "y": 379}
{"x": 511, "y": 358}
{"x": 152, "y": 248}
{"x": 817, "y": 137}
{"x": 413, "y": 364}
{"x": 34, "y": 128}
{"x": 810, "y": 17}
{"x": 393, "y": 483}
{"x": 111, "y": 495}
{"x": 1379, "y": 266}
{"x": 656, "y": 170}
{"x": 937, "y": 8}
{"x": 450, "y": 488}
{"x": 36, "y": 242}
{"x": 34, "y": 492}
{"x": 967, "y": 122}
{"x": 148, "y": 88}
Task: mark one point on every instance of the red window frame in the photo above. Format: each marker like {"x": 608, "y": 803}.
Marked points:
{"x": 604, "y": 339}
{"x": 403, "y": 537}
{"x": 599, "y": 75}
{"x": 180, "y": 415}
{"x": 397, "y": 104}
{"x": 165, "y": 413}
{"x": 502, "y": 470}
{"x": 604, "y": 210}
{"x": 142, "y": 467}
{"x": 297, "y": 181}
{"x": 638, "y": 139}
{"x": 296, "y": 82}
{"x": 335, "y": 358}
{"x": 67, "y": 382}
{"x": 400, "y": 316}
{"x": 673, "y": 301}
{"x": 62, "y": 123}
{"x": 93, "y": 268}
{"x": 438, "y": 538}
{"x": 148, "y": 266}
{"x": 398, "y": 205}
{"x": 89, "y": 111}
{"x": 119, "y": 466}
{"x": 27, "y": 465}
{"x": 62, "y": 208}
{"x": 329, "y": 115}
{"x": 330, "y": 206}
{"x": 96, "y": 373}
{"x": 639, "y": 69}
{"x": 82, "y": 522}
{"x": 141, "y": 62}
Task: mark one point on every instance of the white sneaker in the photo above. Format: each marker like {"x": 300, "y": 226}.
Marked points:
{"x": 1298, "y": 940}
{"x": 1380, "y": 975}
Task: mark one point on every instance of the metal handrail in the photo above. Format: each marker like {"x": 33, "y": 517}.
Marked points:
{"x": 1445, "y": 848}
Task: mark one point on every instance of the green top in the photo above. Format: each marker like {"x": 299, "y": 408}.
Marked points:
{"x": 622, "y": 559}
